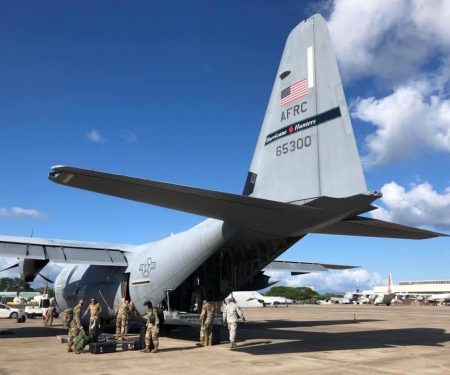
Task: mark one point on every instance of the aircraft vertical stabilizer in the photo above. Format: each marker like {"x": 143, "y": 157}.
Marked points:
{"x": 306, "y": 148}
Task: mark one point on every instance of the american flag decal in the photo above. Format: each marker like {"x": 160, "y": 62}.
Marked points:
{"x": 295, "y": 91}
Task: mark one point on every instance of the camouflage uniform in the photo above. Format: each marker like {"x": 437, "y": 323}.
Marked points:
{"x": 95, "y": 309}
{"x": 74, "y": 327}
{"x": 49, "y": 316}
{"x": 152, "y": 330}
{"x": 206, "y": 321}
{"x": 123, "y": 312}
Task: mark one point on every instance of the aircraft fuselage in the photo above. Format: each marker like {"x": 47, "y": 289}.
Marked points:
{"x": 153, "y": 269}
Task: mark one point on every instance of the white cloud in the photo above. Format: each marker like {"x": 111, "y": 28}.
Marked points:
{"x": 389, "y": 39}
{"x": 95, "y": 136}
{"x": 206, "y": 67}
{"x": 16, "y": 212}
{"x": 421, "y": 205}
{"x": 332, "y": 281}
{"x": 358, "y": 28}
{"x": 395, "y": 41}
{"x": 431, "y": 19}
{"x": 416, "y": 116}
{"x": 129, "y": 136}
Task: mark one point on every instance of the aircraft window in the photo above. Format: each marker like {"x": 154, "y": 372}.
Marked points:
{"x": 285, "y": 74}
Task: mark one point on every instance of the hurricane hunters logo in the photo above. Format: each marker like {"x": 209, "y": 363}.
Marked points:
{"x": 147, "y": 267}
{"x": 303, "y": 124}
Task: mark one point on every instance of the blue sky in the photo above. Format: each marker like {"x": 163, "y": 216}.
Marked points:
{"x": 177, "y": 92}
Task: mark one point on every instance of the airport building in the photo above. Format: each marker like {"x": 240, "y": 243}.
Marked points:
{"x": 416, "y": 287}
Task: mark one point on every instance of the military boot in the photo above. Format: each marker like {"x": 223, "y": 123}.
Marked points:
{"x": 202, "y": 339}
{"x": 233, "y": 345}
{"x": 69, "y": 349}
{"x": 155, "y": 350}
{"x": 146, "y": 350}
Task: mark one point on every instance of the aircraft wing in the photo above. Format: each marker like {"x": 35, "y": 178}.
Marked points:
{"x": 60, "y": 251}
{"x": 299, "y": 268}
{"x": 261, "y": 215}
{"x": 363, "y": 226}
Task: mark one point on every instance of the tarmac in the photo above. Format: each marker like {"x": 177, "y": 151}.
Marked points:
{"x": 308, "y": 339}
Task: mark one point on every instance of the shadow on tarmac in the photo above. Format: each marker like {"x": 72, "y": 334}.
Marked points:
{"x": 273, "y": 324}
{"x": 306, "y": 341}
{"x": 24, "y": 330}
{"x": 260, "y": 338}
{"x": 179, "y": 349}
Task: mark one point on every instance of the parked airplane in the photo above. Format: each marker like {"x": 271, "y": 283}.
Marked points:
{"x": 305, "y": 177}
{"x": 275, "y": 301}
{"x": 442, "y": 297}
{"x": 256, "y": 299}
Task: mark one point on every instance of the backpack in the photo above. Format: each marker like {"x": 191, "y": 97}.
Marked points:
{"x": 68, "y": 317}
{"x": 81, "y": 341}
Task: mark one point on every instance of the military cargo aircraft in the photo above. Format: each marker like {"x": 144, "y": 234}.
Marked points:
{"x": 305, "y": 177}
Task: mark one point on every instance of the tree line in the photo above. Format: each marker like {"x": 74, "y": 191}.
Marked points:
{"x": 297, "y": 294}
{"x": 10, "y": 284}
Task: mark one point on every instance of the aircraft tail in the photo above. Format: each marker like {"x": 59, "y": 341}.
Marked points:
{"x": 306, "y": 148}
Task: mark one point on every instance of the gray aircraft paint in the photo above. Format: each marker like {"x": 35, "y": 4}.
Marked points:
{"x": 330, "y": 166}
{"x": 176, "y": 257}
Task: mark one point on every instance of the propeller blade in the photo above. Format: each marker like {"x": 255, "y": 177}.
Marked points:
{"x": 8, "y": 268}
{"x": 45, "y": 278}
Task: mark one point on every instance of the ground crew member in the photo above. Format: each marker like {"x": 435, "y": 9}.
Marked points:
{"x": 123, "y": 311}
{"x": 94, "y": 309}
{"x": 231, "y": 314}
{"x": 152, "y": 328}
{"x": 75, "y": 324}
{"x": 49, "y": 315}
{"x": 206, "y": 323}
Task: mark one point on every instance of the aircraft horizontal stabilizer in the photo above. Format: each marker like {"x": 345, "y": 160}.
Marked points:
{"x": 362, "y": 226}
{"x": 61, "y": 251}
{"x": 299, "y": 268}
{"x": 257, "y": 214}
{"x": 261, "y": 215}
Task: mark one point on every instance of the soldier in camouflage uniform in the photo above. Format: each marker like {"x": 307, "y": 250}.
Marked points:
{"x": 152, "y": 328}
{"x": 206, "y": 321}
{"x": 95, "y": 309}
{"x": 123, "y": 311}
{"x": 75, "y": 324}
